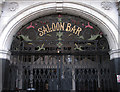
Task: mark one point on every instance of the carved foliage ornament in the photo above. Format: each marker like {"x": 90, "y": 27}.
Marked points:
{"x": 106, "y": 5}
{"x": 13, "y": 6}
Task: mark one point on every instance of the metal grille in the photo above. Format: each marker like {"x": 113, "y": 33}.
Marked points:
{"x": 64, "y": 72}
{"x": 60, "y": 60}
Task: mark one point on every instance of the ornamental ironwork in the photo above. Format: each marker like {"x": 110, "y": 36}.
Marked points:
{"x": 60, "y": 52}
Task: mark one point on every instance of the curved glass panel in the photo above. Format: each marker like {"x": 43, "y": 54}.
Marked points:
{"x": 59, "y": 34}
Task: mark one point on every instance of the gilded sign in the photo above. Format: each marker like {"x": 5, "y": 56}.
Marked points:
{"x": 59, "y": 26}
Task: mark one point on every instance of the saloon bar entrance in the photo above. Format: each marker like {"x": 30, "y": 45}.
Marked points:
{"x": 71, "y": 56}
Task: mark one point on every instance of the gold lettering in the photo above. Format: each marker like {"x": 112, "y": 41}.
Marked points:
{"x": 73, "y": 29}
{"x": 68, "y": 28}
{"x": 49, "y": 29}
{"x": 62, "y": 26}
{"x": 41, "y": 32}
{"x": 57, "y": 26}
{"x": 45, "y": 30}
{"x": 78, "y": 31}
{"x": 53, "y": 27}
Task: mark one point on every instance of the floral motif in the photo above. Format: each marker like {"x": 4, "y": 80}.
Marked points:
{"x": 106, "y": 5}
{"x": 59, "y": 44}
{"x": 13, "y": 6}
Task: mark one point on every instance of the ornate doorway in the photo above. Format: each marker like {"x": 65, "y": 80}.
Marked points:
{"x": 60, "y": 52}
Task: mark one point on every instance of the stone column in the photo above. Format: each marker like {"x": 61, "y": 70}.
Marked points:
{"x": 115, "y": 57}
{"x": 117, "y": 70}
{"x": 0, "y": 75}
{"x": 4, "y": 73}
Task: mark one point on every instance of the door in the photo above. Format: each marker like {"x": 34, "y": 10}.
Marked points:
{"x": 60, "y": 52}
{"x": 49, "y": 73}
{"x": 60, "y": 72}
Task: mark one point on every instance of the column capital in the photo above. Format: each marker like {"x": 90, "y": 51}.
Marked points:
{"x": 114, "y": 54}
{"x": 4, "y": 54}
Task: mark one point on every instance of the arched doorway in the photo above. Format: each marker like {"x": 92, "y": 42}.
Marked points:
{"x": 60, "y": 52}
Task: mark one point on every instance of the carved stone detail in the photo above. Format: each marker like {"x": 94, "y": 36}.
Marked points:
{"x": 13, "y": 6}
{"x": 106, "y": 5}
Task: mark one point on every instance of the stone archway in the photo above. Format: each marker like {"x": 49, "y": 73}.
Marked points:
{"x": 40, "y": 10}
{"x": 60, "y": 52}
{"x": 104, "y": 23}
